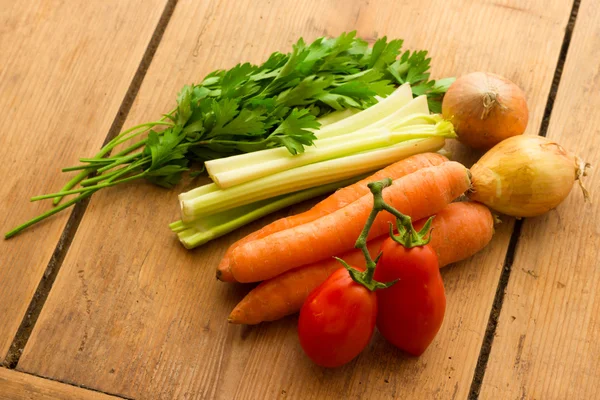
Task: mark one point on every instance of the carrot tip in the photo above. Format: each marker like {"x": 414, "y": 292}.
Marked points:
{"x": 236, "y": 316}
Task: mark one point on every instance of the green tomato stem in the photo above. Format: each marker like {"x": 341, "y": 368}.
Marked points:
{"x": 407, "y": 237}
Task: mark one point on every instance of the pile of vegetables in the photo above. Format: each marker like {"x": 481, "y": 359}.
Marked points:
{"x": 390, "y": 280}
{"x": 367, "y": 124}
{"x": 294, "y": 259}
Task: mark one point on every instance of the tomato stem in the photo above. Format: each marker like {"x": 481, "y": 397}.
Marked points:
{"x": 407, "y": 236}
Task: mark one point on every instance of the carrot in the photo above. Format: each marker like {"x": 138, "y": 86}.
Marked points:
{"x": 284, "y": 295}
{"x": 334, "y": 202}
{"x": 419, "y": 194}
{"x": 458, "y": 231}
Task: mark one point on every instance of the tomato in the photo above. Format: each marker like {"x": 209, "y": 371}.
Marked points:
{"x": 337, "y": 320}
{"x": 410, "y": 312}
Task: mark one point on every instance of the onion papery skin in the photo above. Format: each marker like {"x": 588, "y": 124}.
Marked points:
{"x": 524, "y": 176}
{"x": 485, "y": 109}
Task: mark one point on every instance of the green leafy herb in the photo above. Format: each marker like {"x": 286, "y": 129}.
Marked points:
{"x": 255, "y": 107}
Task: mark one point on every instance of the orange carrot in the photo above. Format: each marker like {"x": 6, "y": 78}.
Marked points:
{"x": 458, "y": 231}
{"x": 418, "y": 195}
{"x": 284, "y": 295}
{"x": 334, "y": 202}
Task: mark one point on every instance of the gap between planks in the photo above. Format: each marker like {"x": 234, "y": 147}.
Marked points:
{"x": 64, "y": 242}
{"x": 490, "y": 331}
{"x": 74, "y": 385}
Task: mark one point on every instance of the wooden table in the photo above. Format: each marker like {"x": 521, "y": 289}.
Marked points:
{"x": 104, "y": 303}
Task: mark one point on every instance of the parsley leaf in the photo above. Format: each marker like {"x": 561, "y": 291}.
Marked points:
{"x": 384, "y": 53}
{"x": 304, "y": 92}
{"x": 163, "y": 149}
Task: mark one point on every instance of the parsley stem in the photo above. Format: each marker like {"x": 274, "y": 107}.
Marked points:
{"x": 48, "y": 213}
{"x": 122, "y": 138}
{"x": 108, "y": 147}
{"x": 131, "y": 148}
{"x": 85, "y": 189}
{"x": 92, "y": 163}
{"x": 119, "y": 161}
{"x": 75, "y": 168}
{"x": 125, "y": 170}
{"x": 133, "y": 135}
{"x": 72, "y": 182}
{"x": 120, "y": 156}
{"x": 100, "y": 178}
{"x": 115, "y": 174}
{"x": 104, "y": 160}
{"x": 85, "y": 193}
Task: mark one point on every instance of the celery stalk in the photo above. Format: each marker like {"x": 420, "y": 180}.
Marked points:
{"x": 336, "y": 147}
{"x": 417, "y": 106}
{"x": 337, "y": 116}
{"x": 399, "y": 98}
{"x": 200, "y": 190}
{"x": 202, "y": 230}
{"x": 393, "y": 104}
{"x": 303, "y": 177}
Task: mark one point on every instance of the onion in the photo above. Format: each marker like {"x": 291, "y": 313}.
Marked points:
{"x": 526, "y": 176}
{"x": 485, "y": 109}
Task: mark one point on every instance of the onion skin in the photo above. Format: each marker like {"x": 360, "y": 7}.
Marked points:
{"x": 525, "y": 176}
{"x": 485, "y": 109}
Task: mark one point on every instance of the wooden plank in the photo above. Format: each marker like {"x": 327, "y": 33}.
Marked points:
{"x": 19, "y": 386}
{"x": 143, "y": 317}
{"x": 64, "y": 70}
{"x": 547, "y": 338}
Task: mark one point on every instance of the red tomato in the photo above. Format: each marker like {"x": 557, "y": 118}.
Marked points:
{"x": 337, "y": 320}
{"x": 410, "y": 313}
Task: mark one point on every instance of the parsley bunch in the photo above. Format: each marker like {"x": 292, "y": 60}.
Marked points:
{"x": 254, "y": 107}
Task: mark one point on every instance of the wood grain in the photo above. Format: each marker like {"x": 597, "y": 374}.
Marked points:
{"x": 64, "y": 70}
{"x": 134, "y": 313}
{"x": 547, "y": 343}
{"x": 19, "y": 386}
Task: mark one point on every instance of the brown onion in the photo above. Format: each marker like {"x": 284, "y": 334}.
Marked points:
{"x": 485, "y": 109}
{"x": 526, "y": 176}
